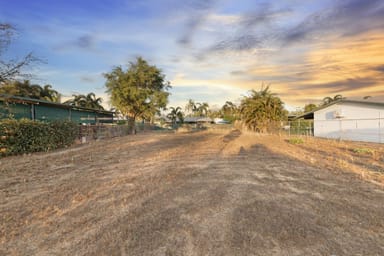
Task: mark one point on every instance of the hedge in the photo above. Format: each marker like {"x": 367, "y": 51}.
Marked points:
{"x": 27, "y": 136}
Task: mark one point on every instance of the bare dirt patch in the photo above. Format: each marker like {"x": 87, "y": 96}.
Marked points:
{"x": 201, "y": 193}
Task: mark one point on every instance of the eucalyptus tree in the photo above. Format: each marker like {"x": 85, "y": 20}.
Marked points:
{"x": 140, "y": 91}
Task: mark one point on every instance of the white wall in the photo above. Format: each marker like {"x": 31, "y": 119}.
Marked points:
{"x": 358, "y": 122}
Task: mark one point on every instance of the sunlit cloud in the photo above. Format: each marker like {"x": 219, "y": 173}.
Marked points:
{"x": 210, "y": 50}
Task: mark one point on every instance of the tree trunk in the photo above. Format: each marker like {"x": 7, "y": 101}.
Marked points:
{"x": 131, "y": 125}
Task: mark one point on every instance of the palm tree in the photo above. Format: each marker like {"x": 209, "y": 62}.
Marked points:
{"x": 176, "y": 114}
{"x": 85, "y": 101}
{"x": 261, "y": 109}
{"x": 93, "y": 102}
{"x": 34, "y": 91}
{"x": 328, "y": 100}
{"x": 49, "y": 94}
{"x": 191, "y": 107}
{"x": 202, "y": 109}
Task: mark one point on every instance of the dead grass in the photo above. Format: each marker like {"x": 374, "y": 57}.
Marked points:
{"x": 200, "y": 193}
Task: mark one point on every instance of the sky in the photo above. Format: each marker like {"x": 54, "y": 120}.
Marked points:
{"x": 210, "y": 50}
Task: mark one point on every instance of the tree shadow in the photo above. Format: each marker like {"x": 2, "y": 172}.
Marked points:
{"x": 231, "y": 136}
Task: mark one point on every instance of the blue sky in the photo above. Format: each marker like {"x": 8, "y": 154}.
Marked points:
{"x": 210, "y": 50}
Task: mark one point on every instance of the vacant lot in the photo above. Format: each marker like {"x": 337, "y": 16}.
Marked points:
{"x": 204, "y": 193}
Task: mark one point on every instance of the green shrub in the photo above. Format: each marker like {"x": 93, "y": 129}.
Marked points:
{"x": 26, "y": 136}
{"x": 295, "y": 140}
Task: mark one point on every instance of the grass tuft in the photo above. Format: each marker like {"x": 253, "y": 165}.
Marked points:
{"x": 363, "y": 151}
{"x": 295, "y": 141}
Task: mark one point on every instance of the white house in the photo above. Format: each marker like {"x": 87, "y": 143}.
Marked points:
{"x": 351, "y": 119}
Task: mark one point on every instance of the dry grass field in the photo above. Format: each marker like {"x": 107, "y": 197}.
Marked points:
{"x": 201, "y": 193}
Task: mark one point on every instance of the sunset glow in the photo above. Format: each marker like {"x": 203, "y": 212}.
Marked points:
{"x": 210, "y": 50}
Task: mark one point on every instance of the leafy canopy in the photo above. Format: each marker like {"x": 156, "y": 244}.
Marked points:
{"x": 138, "y": 92}
{"x": 26, "y": 89}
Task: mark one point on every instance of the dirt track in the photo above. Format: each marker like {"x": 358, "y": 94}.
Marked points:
{"x": 206, "y": 193}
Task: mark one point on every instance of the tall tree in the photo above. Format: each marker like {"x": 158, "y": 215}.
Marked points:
{"x": 176, "y": 114}
{"x": 261, "y": 109}
{"x": 12, "y": 69}
{"x": 202, "y": 109}
{"x": 138, "y": 92}
{"x": 197, "y": 109}
{"x": 191, "y": 107}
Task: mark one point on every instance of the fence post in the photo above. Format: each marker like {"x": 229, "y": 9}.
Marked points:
{"x": 380, "y": 128}
{"x": 289, "y": 130}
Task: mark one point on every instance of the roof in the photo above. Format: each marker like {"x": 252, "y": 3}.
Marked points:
{"x": 377, "y": 101}
{"x": 197, "y": 119}
{"x": 18, "y": 99}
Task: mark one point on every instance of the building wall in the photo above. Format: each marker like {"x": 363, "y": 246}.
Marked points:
{"x": 46, "y": 113}
{"x": 43, "y": 112}
{"x": 350, "y": 121}
{"x": 15, "y": 110}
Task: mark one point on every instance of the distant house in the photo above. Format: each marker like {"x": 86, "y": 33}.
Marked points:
{"x": 354, "y": 119}
{"x": 220, "y": 121}
{"x": 197, "y": 120}
{"x": 21, "y": 107}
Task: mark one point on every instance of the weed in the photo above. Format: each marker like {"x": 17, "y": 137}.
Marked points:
{"x": 363, "y": 151}
{"x": 295, "y": 140}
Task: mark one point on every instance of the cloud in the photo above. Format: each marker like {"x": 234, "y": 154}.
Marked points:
{"x": 346, "y": 19}
{"x": 379, "y": 68}
{"x": 251, "y": 31}
{"x": 81, "y": 42}
{"x": 85, "y": 42}
{"x": 268, "y": 26}
{"x": 88, "y": 79}
{"x": 237, "y": 73}
{"x": 238, "y": 43}
{"x": 198, "y": 11}
{"x": 346, "y": 85}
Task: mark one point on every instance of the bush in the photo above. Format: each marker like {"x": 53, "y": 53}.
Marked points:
{"x": 26, "y": 136}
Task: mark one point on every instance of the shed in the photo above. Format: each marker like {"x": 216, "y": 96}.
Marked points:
{"x": 21, "y": 107}
{"x": 355, "y": 119}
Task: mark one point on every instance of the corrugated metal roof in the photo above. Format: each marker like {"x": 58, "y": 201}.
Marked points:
{"x": 378, "y": 101}
{"x": 19, "y": 99}
{"x": 190, "y": 119}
